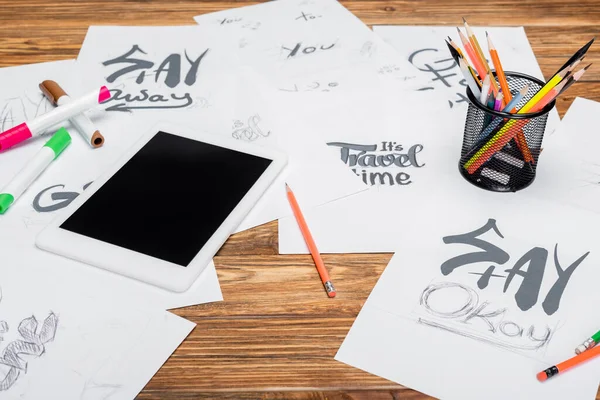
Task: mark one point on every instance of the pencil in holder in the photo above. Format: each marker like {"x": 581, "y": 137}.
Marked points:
{"x": 500, "y": 150}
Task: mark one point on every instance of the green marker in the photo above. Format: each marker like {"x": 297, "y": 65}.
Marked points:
{"x": 588, "y": 344}
{"x": 34, "y": 168}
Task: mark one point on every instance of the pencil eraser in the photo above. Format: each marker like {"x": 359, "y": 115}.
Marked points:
{"x": 104, "y": 94}
{"x": 331, "y": 294}
{"x": 14, "y": 136}
{"x": 542, "y": 376}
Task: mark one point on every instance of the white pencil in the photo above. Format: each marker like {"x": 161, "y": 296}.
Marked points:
{"x": 40, "y": 124}
{"x": 485, "y": 90}
{"x": 81, "y": 122}
{"x": 469, "y": 78}
{"x": 19, "y": 184}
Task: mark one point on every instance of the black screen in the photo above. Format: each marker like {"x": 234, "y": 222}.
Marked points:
{"x": 169, "y": 198}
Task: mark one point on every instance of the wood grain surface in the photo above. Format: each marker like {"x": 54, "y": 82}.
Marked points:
{"x": 276, "y": 333}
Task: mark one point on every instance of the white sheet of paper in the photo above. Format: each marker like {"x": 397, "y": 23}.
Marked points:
{"x": 77, "y": 346}
{"x": 62, "y": 182}
{"x": 395, "y": 145}
{"x": 317, "y": 177}
{"x": 287, "y": 39}
{"x": 424, "y": 48}
{"x": 225, "y": 98}
{"x": 569, "y": 170}
{"x": 477, "y": 303}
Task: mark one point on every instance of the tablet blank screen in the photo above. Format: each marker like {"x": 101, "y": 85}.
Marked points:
{"x": 169, "y": 198}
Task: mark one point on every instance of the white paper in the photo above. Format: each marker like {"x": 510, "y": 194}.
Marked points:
{"x": 225, "y": 99}
{"x": 289, "y": 39}
{"x": 452, "y": 314}
{"x": 569, "y": 170}
{"x": 425, "y": 49}
{"x": 63, "y": 181}
{"x": 77, "y": 346}
{"x": 397, "y": 143}
{"x": 316, "y": 177}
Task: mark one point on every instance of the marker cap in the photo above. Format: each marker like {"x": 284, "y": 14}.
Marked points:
{"x": 59, "y": 141}
{"x": 14, "y": 136}
{"x": 5, "y": 201}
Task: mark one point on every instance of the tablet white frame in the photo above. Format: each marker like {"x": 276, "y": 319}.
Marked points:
{"x": 145, "y": 268}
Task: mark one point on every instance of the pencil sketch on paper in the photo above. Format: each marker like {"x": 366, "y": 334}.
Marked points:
{"x": 311, "y": 87}
{"x": 16, "y": 110}
{"x": 300, "y": 49}
{"x": 176, "y": 68}
{"x": 249, "y": 131}
{"x": 458, "y": 307}
{"x": 31, "y": 345}
{"x": 381, "y": 164}
{"x": 445, "y": 71}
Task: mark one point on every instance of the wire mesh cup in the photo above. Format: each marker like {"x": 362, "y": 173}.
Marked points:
{"x": 500, "y": 150}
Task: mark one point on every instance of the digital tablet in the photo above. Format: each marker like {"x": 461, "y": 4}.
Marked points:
{"x": 161, "y": 213}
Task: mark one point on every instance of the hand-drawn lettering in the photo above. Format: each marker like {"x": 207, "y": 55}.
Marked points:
{"x": 63, "y": 198}
{"x": 470, "y": 318}
{"x": 552, "y": 301}
{"x": 526, "y": 296}
{"x": 490, "y": 253}
{"x": 170, "y": 68}
{"x": 365, "y": 156}
{"x": 137, "y": 64}
{"x": 32, "y": 345}
{"x": 251, "y": 132}
{"x": 306, "y": 50}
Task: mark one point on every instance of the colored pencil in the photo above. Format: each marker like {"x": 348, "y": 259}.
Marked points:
{"x": 578, "y": 54}
{"x": 559, "y": 89}
{"x": 589, "y": 343}
{"x": 575, "y": 77}
{"x": 310, "y": 242}
{"x": 469, "y": 78}
{"x": 494, "y": 124}
{"x": 471, "y": 53}
{"x": 516, "y": 99}
{"x": 474, "y": 75}
{"x": 568, "y": 364}
{"x": 485, "y": 90}
{"x": 498, "y": 102}
{"x": 499, "y": 70}
{"x": 456, "y": 47}
{"x": 502, "y": 137}
{"x": 479, "y": 52}
{"x": 543, "y": 91}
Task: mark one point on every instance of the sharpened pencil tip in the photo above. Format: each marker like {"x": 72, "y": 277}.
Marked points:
{"x": 464, "y": 20}
{"x": 287, "y": 187}
{"x": 587, "y": 66}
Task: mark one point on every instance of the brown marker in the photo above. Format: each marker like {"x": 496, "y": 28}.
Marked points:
{"x": 81, "y": 122}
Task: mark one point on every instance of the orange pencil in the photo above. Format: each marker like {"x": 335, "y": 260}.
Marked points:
{"x": 570, "y": 363}
{"x": 310, "y": 242}
{"x": 499, "y": 70}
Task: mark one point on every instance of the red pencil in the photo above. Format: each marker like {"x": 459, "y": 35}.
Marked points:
{"x": 310, "y": 242}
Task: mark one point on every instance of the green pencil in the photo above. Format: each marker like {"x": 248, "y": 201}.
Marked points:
{"x": 588, "y": 344}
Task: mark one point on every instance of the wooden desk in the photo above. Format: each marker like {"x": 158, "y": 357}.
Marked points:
{"x": 276, "y": 333}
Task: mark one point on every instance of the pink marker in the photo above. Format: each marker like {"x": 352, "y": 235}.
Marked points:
{"x": 39, "y": 125}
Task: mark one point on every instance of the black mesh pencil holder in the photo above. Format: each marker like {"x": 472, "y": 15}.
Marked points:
{"x": 500, "y": 150}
